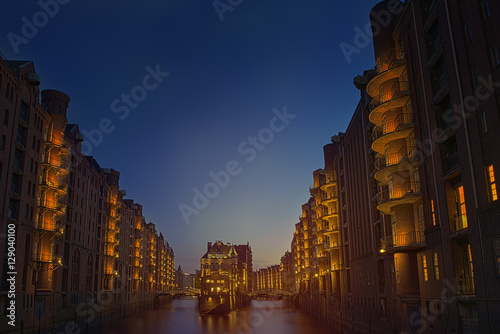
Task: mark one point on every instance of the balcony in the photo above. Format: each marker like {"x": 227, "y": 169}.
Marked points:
{"x": 465, "y": 286}
{"x": 64, "y": 147}
{"x": 51, "y": 226}
{"x": 59, "y": 187}
{"x": 393, "y": 125}
{"x": 390, "y": 164}
{"x": 336, "y": 267}
{"x": 47, "y": 257}
{"x": 61, "y": 165}
{"x": 451, "y": 163}
{"x": 460, "y": 222}
{"x": 332, "y": 245}
{"x": 332, "y": 228}
{"x": 402, "y": 194}
{"x": 388, "y": 66}
{"x": 328, "y": 199}
{"x": 329, "y": 182}
{"x": 56, "y": 207}
{"x": 395, "y": 97}
{"x": 402, "y": 242}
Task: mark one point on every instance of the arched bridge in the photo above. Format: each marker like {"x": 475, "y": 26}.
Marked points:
{"x": 181, "y": 292}
{"x": 269, "y": 293}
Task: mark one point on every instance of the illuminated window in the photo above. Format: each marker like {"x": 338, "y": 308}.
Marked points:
{"x": 433, "y": 213}
{"x": 396, "y": 269}
{"x": 436, "y": 266}
{"x": 461, "y": 217}
{"x": 424, "y": 266}
{"x": 491, "y": 183}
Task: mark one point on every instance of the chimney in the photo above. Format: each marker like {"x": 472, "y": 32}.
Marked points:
{"x": 209, "y": 245}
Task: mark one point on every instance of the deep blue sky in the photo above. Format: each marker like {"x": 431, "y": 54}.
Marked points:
{"x": 225, "y": 79}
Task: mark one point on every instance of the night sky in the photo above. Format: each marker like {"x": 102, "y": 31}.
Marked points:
{"x": 215, "y": 84}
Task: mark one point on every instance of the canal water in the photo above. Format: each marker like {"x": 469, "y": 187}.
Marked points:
{"x": 181, "y": 316}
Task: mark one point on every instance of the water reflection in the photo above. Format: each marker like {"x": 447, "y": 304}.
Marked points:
{"x": 181, "y": 316}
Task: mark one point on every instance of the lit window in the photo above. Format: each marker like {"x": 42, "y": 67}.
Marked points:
{"x": 436, "y": 266}
{"x": 491, "y": 183}
{"x": 424, "y": 265}
{"x": 461, "y": 217}
{"x": 433, "y": 213}
{"x": 396, "y": 269}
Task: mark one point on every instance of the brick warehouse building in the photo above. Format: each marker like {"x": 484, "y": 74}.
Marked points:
{"x": 418, "y": 209}
{"x": 77, "y": 239}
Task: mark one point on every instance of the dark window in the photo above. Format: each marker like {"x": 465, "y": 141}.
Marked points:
{"x": 481, "y": 120}
{"x": 22, "y": 133}
{"x": 24, "y": 112}
{"x": 6, "y": 117}
{"x": 496, "y": 249}
{"x": 449, "y": 152}
{"x": 75, "y": 272}
{"x": 16, "y": 183}
{"x": 485, "y": 6}
{"x": 467, "y": 32}
{"x": 14, "y": 208}
{"x": 495, "y": 58}
{"x": 439, "y": 76}
{"x": 19, "y": 159}
{"x": 428, "y": 7}
{"x": 474, "y": 75}
{"x": 433, "y": 39}
{"x": 445, "y": 114}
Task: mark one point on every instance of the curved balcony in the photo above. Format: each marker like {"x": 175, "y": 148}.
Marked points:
{"x": 328, "y": 199}
{"x": 55, "y": 207}
{"x": 335, "y": 267}
{"x": 395, "y": 97}
{"x": 388, "y": 66}
{"x": 51, "y": 226}
{"x": 112, "y": 218}
{"x": 60, "y": 165}
{"x": 331, "y": 246}
{"x": 64, "y": 147}
{"x": 330, "y": 182}
{"x": 403, "y": 194}
{"x": 380, "y": 144}
{"x": 60, "y": 188}
{"x": 395, "y": 162}
{"x": 114, "y": 205}
{"x": 46, "y": 257}
{"x": 402, "y": 242}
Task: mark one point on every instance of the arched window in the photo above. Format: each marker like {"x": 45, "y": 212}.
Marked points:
{"x": 75, "y": 271}
{"x": 6, "y": 118}
{"x": 88, "y": 284}
{"x": 27, "y": 251}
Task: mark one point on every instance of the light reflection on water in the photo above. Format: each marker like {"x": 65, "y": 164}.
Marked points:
{"x": 181, "y": 316}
